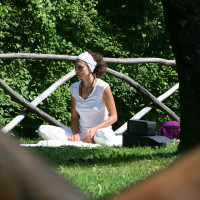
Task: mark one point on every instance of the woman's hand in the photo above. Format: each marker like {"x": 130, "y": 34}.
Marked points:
{"x": 90, "y": 135}
{"x": 91, "y": 132}
{"x": 75, "y": 137}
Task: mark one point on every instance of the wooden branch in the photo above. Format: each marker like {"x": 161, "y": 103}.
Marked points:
{"x": 37, "y": 100}
{"x": 24, "y": 175}
{"x": 148, "y": 108}
{"x": 36, "y": 56}
{"x": 145, "y": 92}
{"x": 72, "y": 58}
{"x": 129, "y": 61}
{"x": 29, "y": 106}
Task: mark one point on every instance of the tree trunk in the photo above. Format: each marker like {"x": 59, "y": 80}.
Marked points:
{"x": 183, "y": 24}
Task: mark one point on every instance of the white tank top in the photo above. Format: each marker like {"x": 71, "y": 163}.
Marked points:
{"x": 92, "y": 111}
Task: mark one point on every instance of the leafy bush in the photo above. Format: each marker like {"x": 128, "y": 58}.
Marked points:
{"x": 69, "y": 27}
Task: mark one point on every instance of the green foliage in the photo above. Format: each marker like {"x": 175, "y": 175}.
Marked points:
{"x": 139, "y": 25}
{"x": 156, "y": 79}
{"x": 69, "y": 27}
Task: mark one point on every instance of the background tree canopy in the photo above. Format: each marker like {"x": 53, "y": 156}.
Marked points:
{"x": 119, "y": 28}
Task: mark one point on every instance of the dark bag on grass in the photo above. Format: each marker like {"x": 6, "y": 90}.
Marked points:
{"x": 170, "y": 129}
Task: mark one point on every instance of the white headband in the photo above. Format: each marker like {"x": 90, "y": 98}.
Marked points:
{"x": 88, "y": 59}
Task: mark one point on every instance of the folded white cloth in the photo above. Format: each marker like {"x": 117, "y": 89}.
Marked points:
{"x": 59, "y": 143}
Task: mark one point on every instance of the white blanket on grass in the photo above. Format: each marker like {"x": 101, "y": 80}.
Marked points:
{"x": 60, "y": 143}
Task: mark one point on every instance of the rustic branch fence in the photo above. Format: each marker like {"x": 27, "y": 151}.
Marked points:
{"x": 24, "y": 180}
{"x": 32, "y": 106}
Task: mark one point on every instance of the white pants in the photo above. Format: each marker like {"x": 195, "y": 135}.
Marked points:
{"x": 104, "y": 136}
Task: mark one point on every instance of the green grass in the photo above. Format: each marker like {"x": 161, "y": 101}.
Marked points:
{"x": 104, "y": 171}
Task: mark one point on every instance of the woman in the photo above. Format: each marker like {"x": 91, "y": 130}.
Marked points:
{"x": 93, "y": 109}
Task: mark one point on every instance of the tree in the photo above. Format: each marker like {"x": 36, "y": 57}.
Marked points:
{"x": 183, "y": 24}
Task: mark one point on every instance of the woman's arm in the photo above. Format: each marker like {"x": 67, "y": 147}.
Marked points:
{"x": 110, "y": 104}
{"x": 74, "y": 121}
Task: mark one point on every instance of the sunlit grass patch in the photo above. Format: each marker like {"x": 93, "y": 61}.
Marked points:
{"x": 102, "y": 171}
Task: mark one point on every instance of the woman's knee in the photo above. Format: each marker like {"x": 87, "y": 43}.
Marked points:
{"x": 104, "y": 137}
{"x": 42, "y": 130}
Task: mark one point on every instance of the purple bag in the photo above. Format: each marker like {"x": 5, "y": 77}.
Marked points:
{"x": 170, "y": 129}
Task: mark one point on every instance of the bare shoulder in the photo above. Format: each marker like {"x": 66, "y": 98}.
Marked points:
{"x": 107, "y": 94}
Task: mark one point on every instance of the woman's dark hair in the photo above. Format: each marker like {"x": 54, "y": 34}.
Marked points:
{"x": 100, "y": 69}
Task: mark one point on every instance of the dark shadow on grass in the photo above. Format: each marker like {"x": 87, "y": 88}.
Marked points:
{"x": 70, "y": 156}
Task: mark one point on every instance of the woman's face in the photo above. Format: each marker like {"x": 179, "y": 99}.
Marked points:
{"x": 81, "y": 69}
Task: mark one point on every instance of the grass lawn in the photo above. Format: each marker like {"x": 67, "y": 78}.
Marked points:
{"x": 103, "y": 171}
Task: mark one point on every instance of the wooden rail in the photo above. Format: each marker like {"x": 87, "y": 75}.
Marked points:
{"x": 32, "y": 106}
{"x": 145, "y": 92}
{"x": 127, "y": 61}
{"x": 37, "y": 101}
{"x": 148, "y": 108}
{"x": 28, "y": 105}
